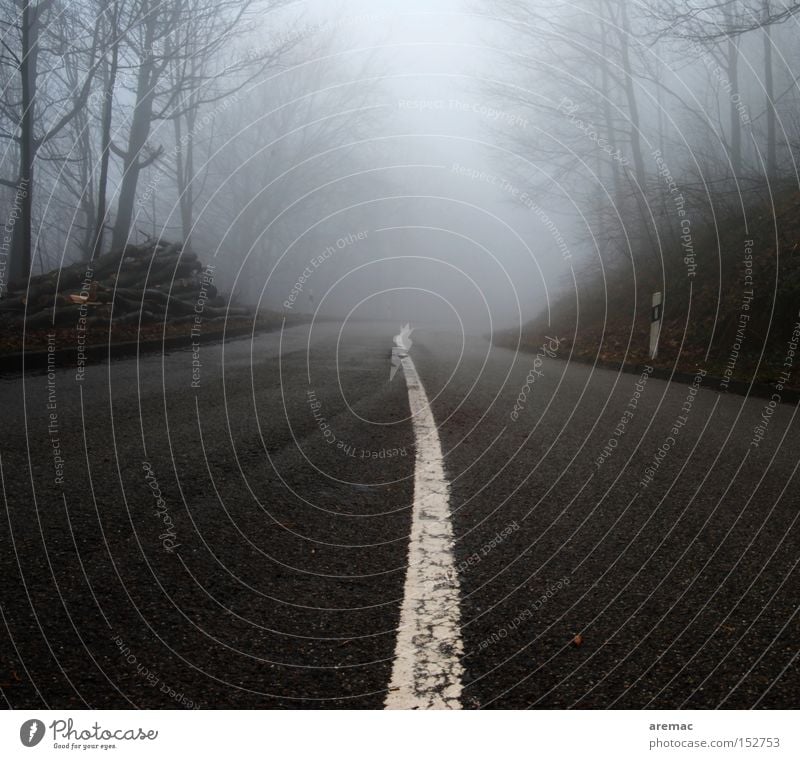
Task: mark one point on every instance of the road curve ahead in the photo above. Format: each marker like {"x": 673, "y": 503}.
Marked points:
{"x": 247, "y": 526}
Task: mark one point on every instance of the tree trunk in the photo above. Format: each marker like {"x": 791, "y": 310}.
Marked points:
{"x": 141, "y": 124}
{"x": 140, "y": 131}
{"x": 105, "y": 144}
{"x": 22, "y": 243}
{"x": 640, "y": 173}
{"x": 732, "y": 71}
{"x": 608, "y": 114}
{"x": 187, "y": 195}
{"x": 630, "y": 93}
{"x": 184, "y": 173}
{"x": 769, "y": 87}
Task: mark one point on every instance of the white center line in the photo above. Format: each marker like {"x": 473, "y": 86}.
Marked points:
{"x": 427, "y": 668}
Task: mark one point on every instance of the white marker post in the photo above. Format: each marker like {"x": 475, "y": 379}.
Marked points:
{"x": 655, "y": 324}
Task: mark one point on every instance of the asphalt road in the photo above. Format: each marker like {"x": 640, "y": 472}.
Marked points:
{"x": 235, "y": 534}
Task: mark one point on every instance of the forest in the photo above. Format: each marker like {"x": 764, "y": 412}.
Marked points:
{"x": 670, "y": 131}
{"x": 654, "y": 141}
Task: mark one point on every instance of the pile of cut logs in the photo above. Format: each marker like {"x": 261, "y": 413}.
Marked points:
{"x": 155, "y": 282}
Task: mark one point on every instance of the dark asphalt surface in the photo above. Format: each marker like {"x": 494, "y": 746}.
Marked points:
{"x": 270, "y": 575}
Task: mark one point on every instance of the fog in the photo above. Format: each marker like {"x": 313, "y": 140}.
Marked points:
{"x": 445, "y": 241}
{"x": 456, "y": 163}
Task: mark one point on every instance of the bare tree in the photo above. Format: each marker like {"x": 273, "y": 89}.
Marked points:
{"x": 283, "y": 142}
{"x": 591, "y": 73}
{"x": 717, "y": 28}
{"x": 209, "y": 81}
{"x": 113, "y": 17}
{"x": 177, "y": 44}
{"x": 26, "y": 108}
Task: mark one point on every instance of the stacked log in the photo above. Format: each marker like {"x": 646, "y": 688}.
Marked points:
{"x": 142, "y": 284}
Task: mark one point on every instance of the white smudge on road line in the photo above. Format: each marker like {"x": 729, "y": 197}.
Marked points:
{"x": 427, "y": 667}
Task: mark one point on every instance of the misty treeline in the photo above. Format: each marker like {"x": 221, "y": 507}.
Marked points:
{"x": 650, "y": 119}
{"x": 189, "y": 120}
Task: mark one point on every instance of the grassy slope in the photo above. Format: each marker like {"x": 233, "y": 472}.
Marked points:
{"x": 701, "y": 330}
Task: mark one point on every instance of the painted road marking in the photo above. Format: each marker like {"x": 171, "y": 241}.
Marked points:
{"x": 427, "y": 668}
